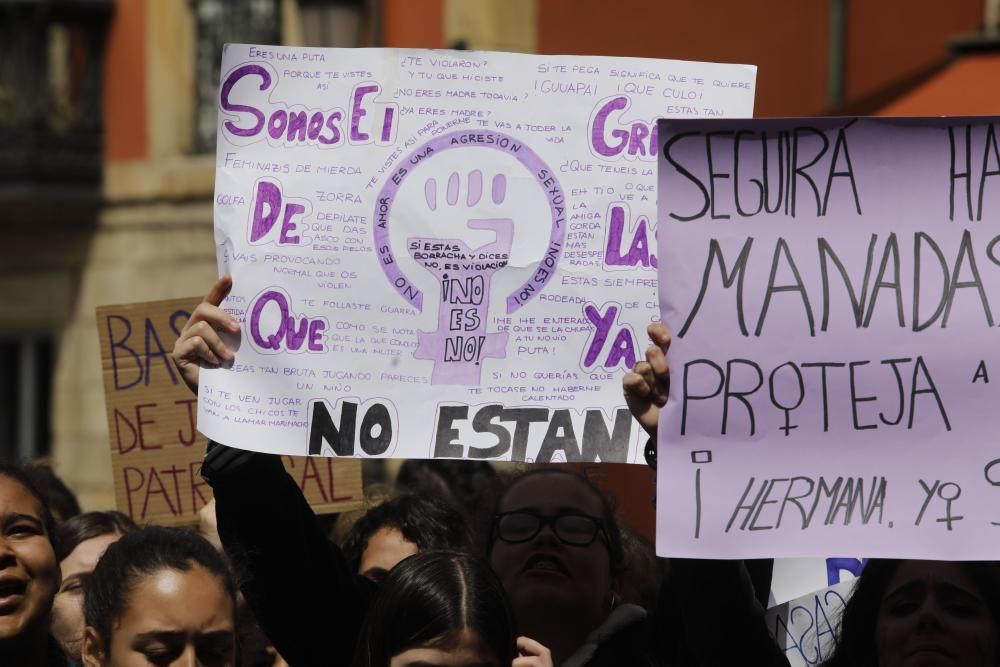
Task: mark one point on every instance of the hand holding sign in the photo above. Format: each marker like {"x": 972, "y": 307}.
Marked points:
{"x": 647, "y": 385}
{"x": 531, "y": 654}
{"x": 199, "y": 342}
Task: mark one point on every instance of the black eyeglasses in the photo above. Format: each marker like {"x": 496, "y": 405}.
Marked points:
{"x": 578, "y": 530}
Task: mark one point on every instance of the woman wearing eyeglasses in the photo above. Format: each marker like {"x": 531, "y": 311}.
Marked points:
{"x": 555, "y": 547}
{"x": 558, "y": 552}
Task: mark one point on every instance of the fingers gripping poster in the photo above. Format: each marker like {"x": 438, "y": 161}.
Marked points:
{"x": 832, "y": 288}
{"x": 441, "y": 254}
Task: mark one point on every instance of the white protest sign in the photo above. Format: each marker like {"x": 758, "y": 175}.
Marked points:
{"x": 806, "y": 628}
{"x": 794, "y": 577}
{"x": 441, "y": 254}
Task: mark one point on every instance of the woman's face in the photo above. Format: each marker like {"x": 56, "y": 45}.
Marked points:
{"x": 933, "y": 615}
{"x": 545, "y": 569}
{"x": 67, "y": 611}
{"x": 29, "y": 574}
{"x": 466, "y": 650}
{"x": 171, "y": 618}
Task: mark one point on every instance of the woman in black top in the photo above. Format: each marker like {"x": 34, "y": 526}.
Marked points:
{"x": 708, "y": 613}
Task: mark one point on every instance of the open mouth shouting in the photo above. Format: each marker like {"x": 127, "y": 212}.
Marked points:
{"x": 545, "y": 564}
{"x": 12, "y": 590}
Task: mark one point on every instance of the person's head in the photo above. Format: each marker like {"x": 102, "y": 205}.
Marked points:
{"x": 469, "y": 486}
{"x": 29, "y": 572}
{"x": 61, "y": 501}
{"x": 556, "y": 544}
{"x": 438, "y": 609}
{"x": 79, "y": 543}
{"x": 163, "y": 596}
{"x": 401, "y": 527}
{"x": 910, "y": 613}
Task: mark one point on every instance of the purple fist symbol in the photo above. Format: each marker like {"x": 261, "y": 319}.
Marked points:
{"x": 461, "y": 340}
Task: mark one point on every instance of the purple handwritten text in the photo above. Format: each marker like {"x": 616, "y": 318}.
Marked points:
{"x": 310, "y": 126}
{"x": 635, "y": 139}
{"x": 273, "y": 325}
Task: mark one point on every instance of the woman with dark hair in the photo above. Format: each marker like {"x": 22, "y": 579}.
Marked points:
{"x": 548, "y": 525}
{"x": 910, "y": 613}
{"x": 79, "y": 543}
{"x": 558, "y": 552}
{"x": 469, "y": 486}
{"x": 289, "y": 583}
{"x": 440, "y": 608}
{"x": 557, "y": 549}
{"x": 400, "y": 527}
{"x": 29, "y": 574}
{"x": 161, "y": 596}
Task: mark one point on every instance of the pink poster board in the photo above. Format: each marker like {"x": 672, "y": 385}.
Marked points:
{"x": 833, "y": 289}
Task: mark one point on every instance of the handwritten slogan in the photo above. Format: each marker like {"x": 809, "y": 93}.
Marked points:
{"x": 156, "y": 453}
{"x": 441, "y": 254}
{"x": 807, "y": 628}
{"x": 833, "y": 288}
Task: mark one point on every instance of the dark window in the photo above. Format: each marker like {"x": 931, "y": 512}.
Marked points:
{"x": 26, "y": 366}
{"x": 50, "y": 94}
{"x": 333, "y": 23}
{"x": 222, "y": 22}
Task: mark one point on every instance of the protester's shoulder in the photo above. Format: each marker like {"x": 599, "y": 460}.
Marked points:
{"x": 630, "y": 647}
{"x": 642, "y": 643}
{"x": 224, "y": 465}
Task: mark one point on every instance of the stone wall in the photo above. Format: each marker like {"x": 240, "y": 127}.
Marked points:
{"x": 152, "y": 241}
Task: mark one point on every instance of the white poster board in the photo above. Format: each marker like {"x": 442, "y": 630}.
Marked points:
{"x": 806, "y": 628}
{"x": 441, "y": 254}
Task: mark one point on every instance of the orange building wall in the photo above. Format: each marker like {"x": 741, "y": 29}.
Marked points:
{"x": 960, "y": 90}
{"x": 632, "y": 487}
{"x": 413, "y": 24}
{"x": 787, "y": 42}
{"x": 125, "y": 83}
{"x": 892, "y": 39}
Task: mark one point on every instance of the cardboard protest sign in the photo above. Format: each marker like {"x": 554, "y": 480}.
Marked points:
{"x": 156, "y": 452}
{"x": 807, "y": 628}
{"x": 832, "y": 287}
{"x": 442, "y": 254}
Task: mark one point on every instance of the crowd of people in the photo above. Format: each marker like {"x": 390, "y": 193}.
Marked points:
{"x": 459, "y": 566}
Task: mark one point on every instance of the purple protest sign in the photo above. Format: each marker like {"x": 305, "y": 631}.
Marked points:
{"x": 832, "y": 286}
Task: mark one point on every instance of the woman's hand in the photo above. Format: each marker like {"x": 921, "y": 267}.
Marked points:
{"x": 647, "y": 385}
{"x": 532, "y": 654}
{"x": 199, "y": 343}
